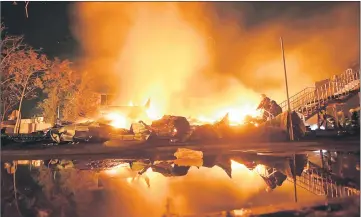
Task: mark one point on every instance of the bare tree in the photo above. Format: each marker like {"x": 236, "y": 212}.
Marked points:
{"x": 9, "y": 46}
{"x": 23, "y": 72}
{"x": 26, "y": 7}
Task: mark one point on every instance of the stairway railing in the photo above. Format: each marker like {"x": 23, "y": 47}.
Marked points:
{"x": 320, "y": 182}
{"x": 317, "y": 181}
{"x": 323, "y": 185}
{"x": 311, "y": 98}
{"x": 299, "y": 99}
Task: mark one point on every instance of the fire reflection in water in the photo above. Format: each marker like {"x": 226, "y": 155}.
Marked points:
{"x": 194, "y": 182}
{"x": 190, "y": 193}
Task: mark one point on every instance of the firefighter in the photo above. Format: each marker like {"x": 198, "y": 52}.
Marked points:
{"x": 275, "y": 109}
{"x": 265, "y": 104}
{"x": 323, "y": 116}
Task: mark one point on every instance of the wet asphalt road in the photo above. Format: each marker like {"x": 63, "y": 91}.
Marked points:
{"x": 146, "y": 150}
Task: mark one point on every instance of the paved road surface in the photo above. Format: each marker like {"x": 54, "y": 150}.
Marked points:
{"x": 133, "y": 150}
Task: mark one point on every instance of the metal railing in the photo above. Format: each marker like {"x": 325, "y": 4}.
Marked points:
{"x": 308, "y": 100}
{"x": 322, "y": 184}
{"x": 317, "y": 181}
{"x": 269, "y": 115}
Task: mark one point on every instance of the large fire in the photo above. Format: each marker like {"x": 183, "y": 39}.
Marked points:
{"x": 120, "y": 120}
{"x": 153, "y": 113}
{"x": 117, "y": 120}
{"x": 173, "y": 51}
{"x": 236, "y": 116}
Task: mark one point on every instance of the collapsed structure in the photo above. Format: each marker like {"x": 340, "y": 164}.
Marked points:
{"x": 307, "y": 105}
{"x": 177, "y": 129}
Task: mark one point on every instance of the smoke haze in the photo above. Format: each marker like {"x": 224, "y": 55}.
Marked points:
{"x": 227, "y": 53}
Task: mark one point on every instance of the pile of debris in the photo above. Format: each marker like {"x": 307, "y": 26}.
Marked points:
{"x": 171, "y": 126}
{"x": 177, "y": 129}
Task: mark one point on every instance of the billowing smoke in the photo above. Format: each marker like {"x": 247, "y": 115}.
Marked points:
{"x": 319, "y": 42}
{"x": 141, "y": 50}
{"x": 227, "y": 53}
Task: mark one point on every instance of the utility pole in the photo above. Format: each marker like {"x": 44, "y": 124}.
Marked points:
{"x": 288, "y": 96}
{"x": 290, "y": 129}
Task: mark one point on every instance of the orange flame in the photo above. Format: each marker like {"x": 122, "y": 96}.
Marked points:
{"x": 236, "y": 115}
{"x": 117, "y": 120}
{"x": 153, "y": 113}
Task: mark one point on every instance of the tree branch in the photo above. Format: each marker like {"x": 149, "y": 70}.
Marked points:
{"x": 6, "y": 80}
{"x": 16, "y": 43}
{"x": 26, "y": 9}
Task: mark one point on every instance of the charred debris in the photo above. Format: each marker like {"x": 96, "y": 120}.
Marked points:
{"x": 178, "y": 129}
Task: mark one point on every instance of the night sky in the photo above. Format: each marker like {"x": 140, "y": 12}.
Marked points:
{"x": 46, "y": 27}
{"x": 48, "y": 24}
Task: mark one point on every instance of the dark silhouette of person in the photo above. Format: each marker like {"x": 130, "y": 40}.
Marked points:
{"x": 275, "y": 109}
{"x": 265, "y": 104}
{"x": 323, "y": 116}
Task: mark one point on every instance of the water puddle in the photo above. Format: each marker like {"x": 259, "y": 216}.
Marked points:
{"x": 185, "y": 183}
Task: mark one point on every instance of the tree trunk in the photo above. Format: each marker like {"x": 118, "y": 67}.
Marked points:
{"x": 3, "y": 113}
{"x": 18, "y": 120}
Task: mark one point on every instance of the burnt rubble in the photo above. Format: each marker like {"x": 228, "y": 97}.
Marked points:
{"x": 176, "y": 129}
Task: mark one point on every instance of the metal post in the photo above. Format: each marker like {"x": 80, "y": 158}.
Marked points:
{"x": 288, "y": 97}
{"x": 290, "y": 129}
{"x": 294, "y": 177}
{"x": 322, "y": 161}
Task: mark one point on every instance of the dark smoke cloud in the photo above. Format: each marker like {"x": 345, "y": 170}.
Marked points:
{"x": 320, "y": 40}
